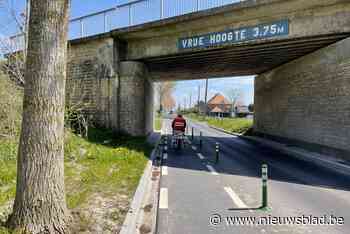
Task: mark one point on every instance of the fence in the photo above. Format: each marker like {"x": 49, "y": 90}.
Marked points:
{"x": 134, "y": 12}
{"x": 130, "y": 13}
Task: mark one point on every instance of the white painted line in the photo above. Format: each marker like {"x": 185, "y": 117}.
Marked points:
{"x": 166, "y": 147}
{"x": 164, "y": 170}
{"x": 163, "y": 200}
{"x": 165, "y": 156}
{"x": 239, "y": 203}
{"x": 212, "y": 170}
{"x": 200, "y": 156}
{"x": 194, "y": 147}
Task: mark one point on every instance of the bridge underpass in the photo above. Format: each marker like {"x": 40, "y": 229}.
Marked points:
{"x": 296, "y": 97}
{"x": 235, "y": 61}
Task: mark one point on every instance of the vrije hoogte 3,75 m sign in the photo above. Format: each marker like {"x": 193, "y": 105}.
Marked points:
{"x": 262, "y": 31}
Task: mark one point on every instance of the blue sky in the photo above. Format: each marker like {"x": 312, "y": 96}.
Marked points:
{"x": 78, "y": 8}
{"x": 183, "y": 89}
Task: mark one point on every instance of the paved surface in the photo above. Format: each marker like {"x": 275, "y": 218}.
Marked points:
{"x": 194, "y": 188}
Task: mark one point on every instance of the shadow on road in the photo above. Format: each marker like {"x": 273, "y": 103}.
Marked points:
{"x": 243, "y": 158}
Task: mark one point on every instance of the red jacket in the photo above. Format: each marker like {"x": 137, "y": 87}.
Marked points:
{"x": 179, "y": 124}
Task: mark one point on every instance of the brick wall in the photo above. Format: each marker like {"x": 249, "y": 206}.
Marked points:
{"x": 121, "y": 100}
{"x": 91, "y": 80}
{"x": 308, "y": 99}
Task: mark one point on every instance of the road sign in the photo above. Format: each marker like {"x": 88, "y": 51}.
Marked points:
{"x": 232, "y": 36}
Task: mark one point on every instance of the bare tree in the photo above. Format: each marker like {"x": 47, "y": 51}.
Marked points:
{"x": 14, "y": 47}
{"x": 168, "y": 102}
{"x": 76, "y": 117}
{"x": 233, "y": 94}
{"x": 15, "y": 59}
{"x": 164, "y": 91}
{"x": 40, "y": 205}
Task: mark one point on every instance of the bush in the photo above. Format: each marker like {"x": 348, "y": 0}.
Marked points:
{"x": 76, "y": 120}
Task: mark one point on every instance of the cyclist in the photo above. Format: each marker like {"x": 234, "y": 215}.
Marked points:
{"x": 179, "y": 124}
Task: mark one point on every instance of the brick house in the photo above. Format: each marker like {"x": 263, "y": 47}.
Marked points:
{"x": 218, "y": 105}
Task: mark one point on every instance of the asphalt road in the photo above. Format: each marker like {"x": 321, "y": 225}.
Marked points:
{"x": 194, "y": 189}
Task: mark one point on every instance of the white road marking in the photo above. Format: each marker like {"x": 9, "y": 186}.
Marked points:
{"x": 163, "y": 200}
{"x": 194, "y": 147}
{"x": 164, "y": 170}
{"x": 166, "y": 147}
{"x": 212, "y": 170}
{"x": 200, "y": 156}
{"x": 165, "y": 156}
{"x": 235, "y": 198}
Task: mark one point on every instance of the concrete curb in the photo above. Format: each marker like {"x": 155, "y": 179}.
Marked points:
{"x": 298, "y": 153}
{"x": 142, "y": 214}
{"x": 130, "y": 223}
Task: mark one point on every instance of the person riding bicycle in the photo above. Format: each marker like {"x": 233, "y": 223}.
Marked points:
{"x": 179, "y": 127}
{"x": 179, "y": 124}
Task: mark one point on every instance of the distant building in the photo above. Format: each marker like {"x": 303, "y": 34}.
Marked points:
{"x": 241, "y": 110}
{"x": 219, "y": 106}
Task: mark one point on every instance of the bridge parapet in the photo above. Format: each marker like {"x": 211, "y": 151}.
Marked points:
{"x": 136, "y": 12}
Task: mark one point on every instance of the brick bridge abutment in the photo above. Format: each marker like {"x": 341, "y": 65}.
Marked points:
{"x": 113, "y": 93}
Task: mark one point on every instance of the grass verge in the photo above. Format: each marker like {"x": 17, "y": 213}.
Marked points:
{"x": 158, "y": 123}
{"x": 101, "y": 176}
{"x": 234, "y": 125}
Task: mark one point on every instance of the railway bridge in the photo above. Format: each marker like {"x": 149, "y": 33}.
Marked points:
{"x": 299, "y": 51}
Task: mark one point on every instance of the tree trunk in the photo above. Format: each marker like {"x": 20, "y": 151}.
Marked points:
{"x": 40, "y": 205}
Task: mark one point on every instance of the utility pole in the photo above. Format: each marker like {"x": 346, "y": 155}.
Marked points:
{"x": 199, "y": 97}
{"x": 206, "y": 96}
{"x": 190, "y": 100}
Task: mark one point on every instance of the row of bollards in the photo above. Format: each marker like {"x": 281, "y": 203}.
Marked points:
{"x": 264, "y": 169}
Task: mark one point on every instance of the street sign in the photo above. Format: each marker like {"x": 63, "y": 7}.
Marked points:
{"x": 232, "y": 36}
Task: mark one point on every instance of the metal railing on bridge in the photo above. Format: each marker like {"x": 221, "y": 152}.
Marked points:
{"x": 134, "y": 12}
{"x": 131, "y": 13}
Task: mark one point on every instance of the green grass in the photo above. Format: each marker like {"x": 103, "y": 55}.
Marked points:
{"x": 8, "y": 169}
{"x": 103, "y": 165}
{"x": 158, "y": 123}
{"x": 234, "y": 125}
